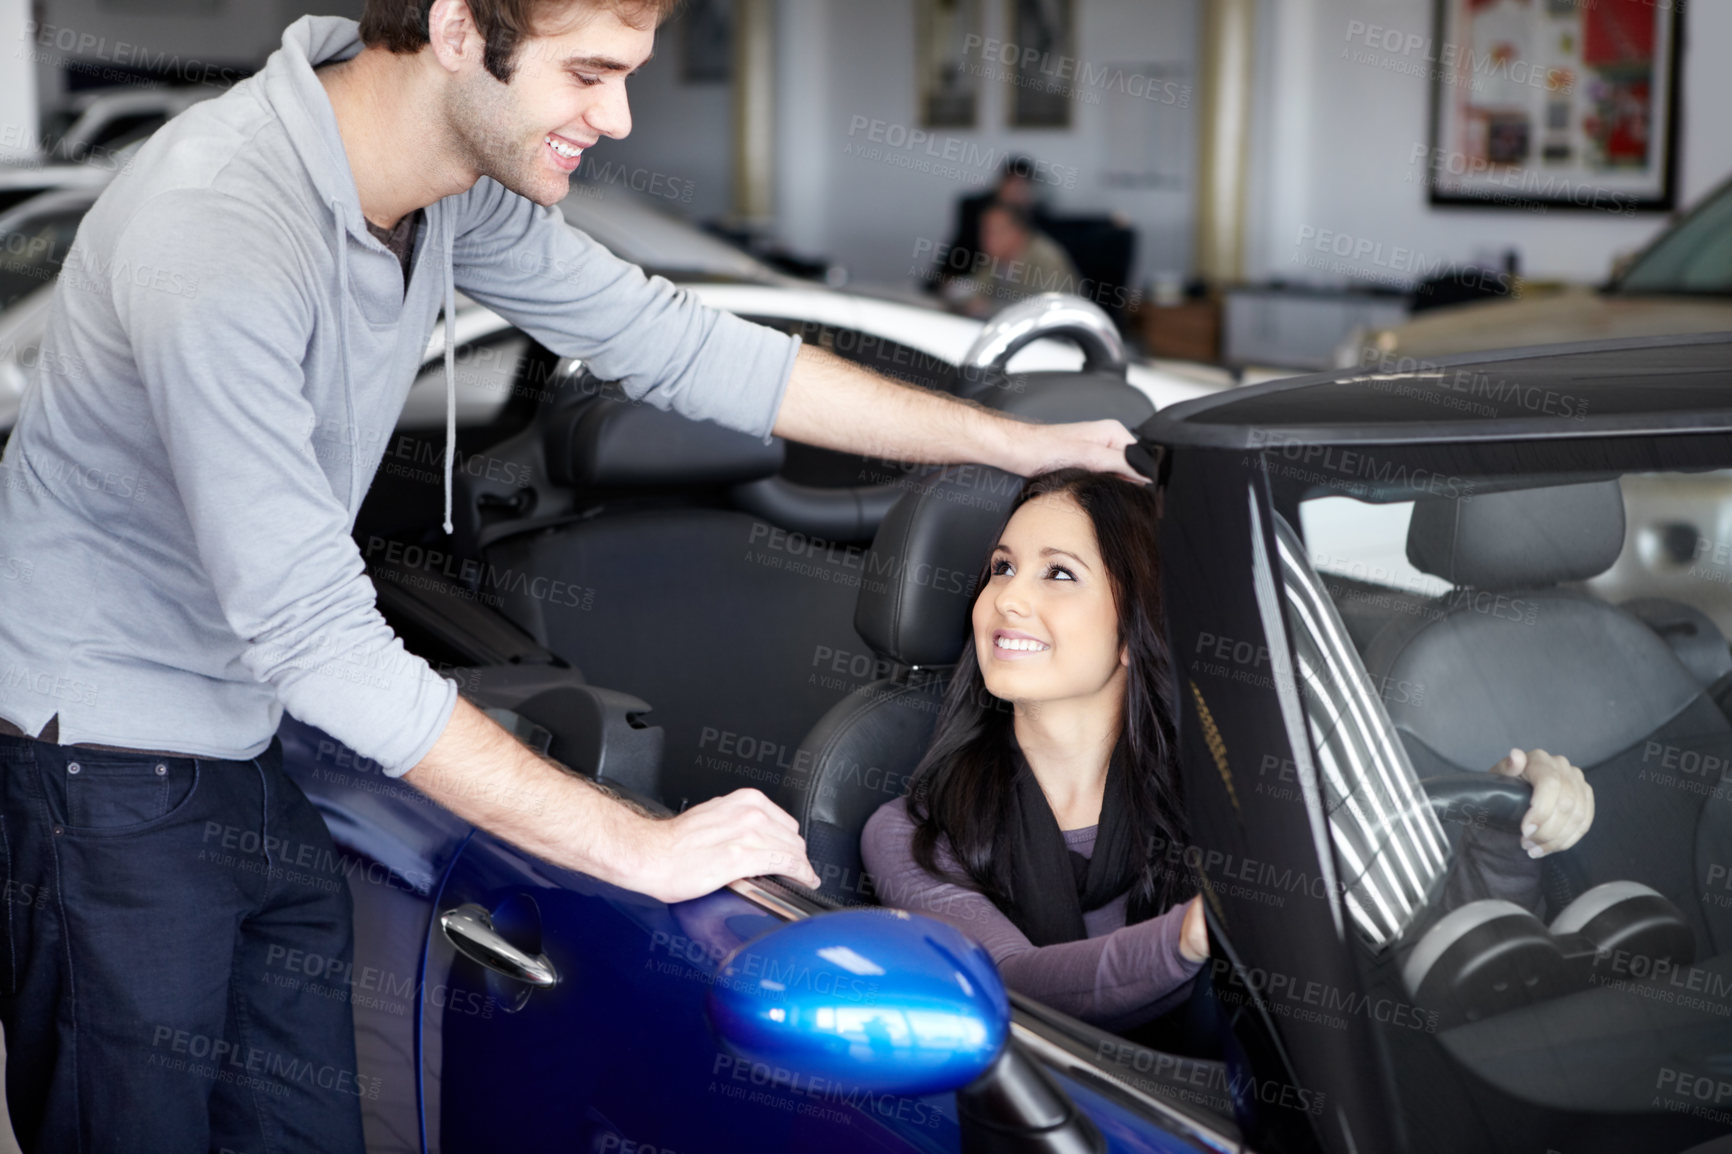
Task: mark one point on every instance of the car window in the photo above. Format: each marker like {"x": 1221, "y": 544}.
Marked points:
{"x": 1586, "y": 617}
{"x": 1364, "y": 543}
{"x": 1694, "y": 257}
{"x": 32, "y": 253}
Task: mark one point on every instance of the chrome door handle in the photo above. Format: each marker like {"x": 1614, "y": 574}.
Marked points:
{"x": 470, "y": 929}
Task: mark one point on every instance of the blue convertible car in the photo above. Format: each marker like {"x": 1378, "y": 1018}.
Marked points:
{"x": 1375, "y": 585}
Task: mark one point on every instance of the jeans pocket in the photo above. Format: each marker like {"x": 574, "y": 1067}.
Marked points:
{"x": 114, "y": 792}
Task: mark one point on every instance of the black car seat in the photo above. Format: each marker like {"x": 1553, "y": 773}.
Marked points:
{"x": 720, "y": 620}
{"x": 1515, "y": 657}
{"x": 913, "y": 613}
{"x": 674, "y": 564}
{"x": 924, "y": 568}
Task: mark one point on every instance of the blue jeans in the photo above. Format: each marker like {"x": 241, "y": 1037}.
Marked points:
{"x": 149, "y": 905}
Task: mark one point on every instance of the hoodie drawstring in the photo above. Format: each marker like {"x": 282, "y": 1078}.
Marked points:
{"x": 343, "y": 355}
{"x": 450, "y": 373}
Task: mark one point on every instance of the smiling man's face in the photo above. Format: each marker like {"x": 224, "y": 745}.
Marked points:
{"x": 567, "y": 91}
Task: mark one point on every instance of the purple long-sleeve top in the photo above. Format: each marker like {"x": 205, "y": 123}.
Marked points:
{"x": 1116, "y": 977}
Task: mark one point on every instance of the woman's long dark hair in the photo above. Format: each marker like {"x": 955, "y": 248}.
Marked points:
{"x": 962, "y": 787}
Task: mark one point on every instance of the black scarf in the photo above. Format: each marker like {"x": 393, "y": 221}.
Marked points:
{"x": 1052, "y": 886}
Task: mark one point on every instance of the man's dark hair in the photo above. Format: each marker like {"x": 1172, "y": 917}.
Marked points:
{"x": 401, "y": 25}
{"x": 1016, "y": 165}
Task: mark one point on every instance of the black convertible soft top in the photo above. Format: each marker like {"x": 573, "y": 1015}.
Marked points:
{"x": 1630, "y": 387}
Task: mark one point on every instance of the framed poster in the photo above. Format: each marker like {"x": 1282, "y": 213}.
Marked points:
{"x": 707, "y": 42}
{"x": 1044, "y": 33}
{"x": 946, "y": 31}
{"x": 1555, "y": 104}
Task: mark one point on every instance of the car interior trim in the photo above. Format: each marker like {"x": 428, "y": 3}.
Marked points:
{"x": 758, "y": 894}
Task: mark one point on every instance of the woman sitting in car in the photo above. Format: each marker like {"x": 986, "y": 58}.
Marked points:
{"x": 1042, "y": 819}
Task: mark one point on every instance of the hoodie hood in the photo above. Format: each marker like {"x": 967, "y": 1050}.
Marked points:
{"x": 293, "y": 90}
{"x": 294, "y": 93}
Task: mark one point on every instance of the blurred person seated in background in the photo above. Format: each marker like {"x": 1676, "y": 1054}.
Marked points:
{"x": 1046, "y": 820}
{"x": 1016, "y": 186}
{"x": 1015, "y": 261}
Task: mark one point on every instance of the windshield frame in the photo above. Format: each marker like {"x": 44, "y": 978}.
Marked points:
{"x": 1219, "y": 515}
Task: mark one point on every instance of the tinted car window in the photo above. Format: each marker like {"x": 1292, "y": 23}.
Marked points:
{"x": 1587, "y": 619}
{"x": 1695, "y": 257}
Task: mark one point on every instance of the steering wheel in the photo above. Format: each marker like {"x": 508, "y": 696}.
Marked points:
{"x": 1503, "y": 800}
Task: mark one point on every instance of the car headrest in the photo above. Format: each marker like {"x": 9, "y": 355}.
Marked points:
{"x": 606, "y": 442}
{"x": 1053, "y": 398}
{"x": 918, "y": 587}
{"x": 1521, "y": 538}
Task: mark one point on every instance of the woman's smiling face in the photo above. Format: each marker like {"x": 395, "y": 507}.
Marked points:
{"x": 1046, "y": 626}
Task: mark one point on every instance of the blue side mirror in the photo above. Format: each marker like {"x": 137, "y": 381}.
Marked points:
{"x": 881, "y": 1000}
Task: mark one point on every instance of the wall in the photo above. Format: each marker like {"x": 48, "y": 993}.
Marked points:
{"x": 843, "y": 64}
{"x": 882, "y": 220}
{"x": 1336, "y": 141}
{"x": 18, "y": 119}
{"x": 681, "y": 140}
{"x": 100, "y": 32}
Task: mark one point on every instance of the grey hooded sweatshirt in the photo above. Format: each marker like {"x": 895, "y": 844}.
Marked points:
{"x": 228, "y": 351}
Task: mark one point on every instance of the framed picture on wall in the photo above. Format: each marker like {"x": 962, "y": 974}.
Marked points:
{"x": 1555, "y": 104}
{"x": 707, "y": 42}
{"x": 948, "y": 33}
{"x": 1044, "y": 32}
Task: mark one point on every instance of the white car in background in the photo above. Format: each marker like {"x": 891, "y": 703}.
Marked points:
{"x": 726, "y": 278}
{"x": 101, "y": 126}
{"x": 19, "y": 183}
{"x": 489, "y": 346}
{"x": 34, "y": 238}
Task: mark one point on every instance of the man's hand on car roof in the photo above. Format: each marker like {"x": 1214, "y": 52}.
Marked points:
{"x": 1098, "y": 446}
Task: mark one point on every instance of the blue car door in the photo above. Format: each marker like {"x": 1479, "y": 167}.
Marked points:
{"x": 617, "y": 1056}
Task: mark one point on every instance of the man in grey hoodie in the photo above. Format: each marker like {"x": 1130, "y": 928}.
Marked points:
{"x": 232, "y": 340}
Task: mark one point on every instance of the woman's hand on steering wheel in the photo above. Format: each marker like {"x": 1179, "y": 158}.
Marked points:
{"x": 1563, "y": 801}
